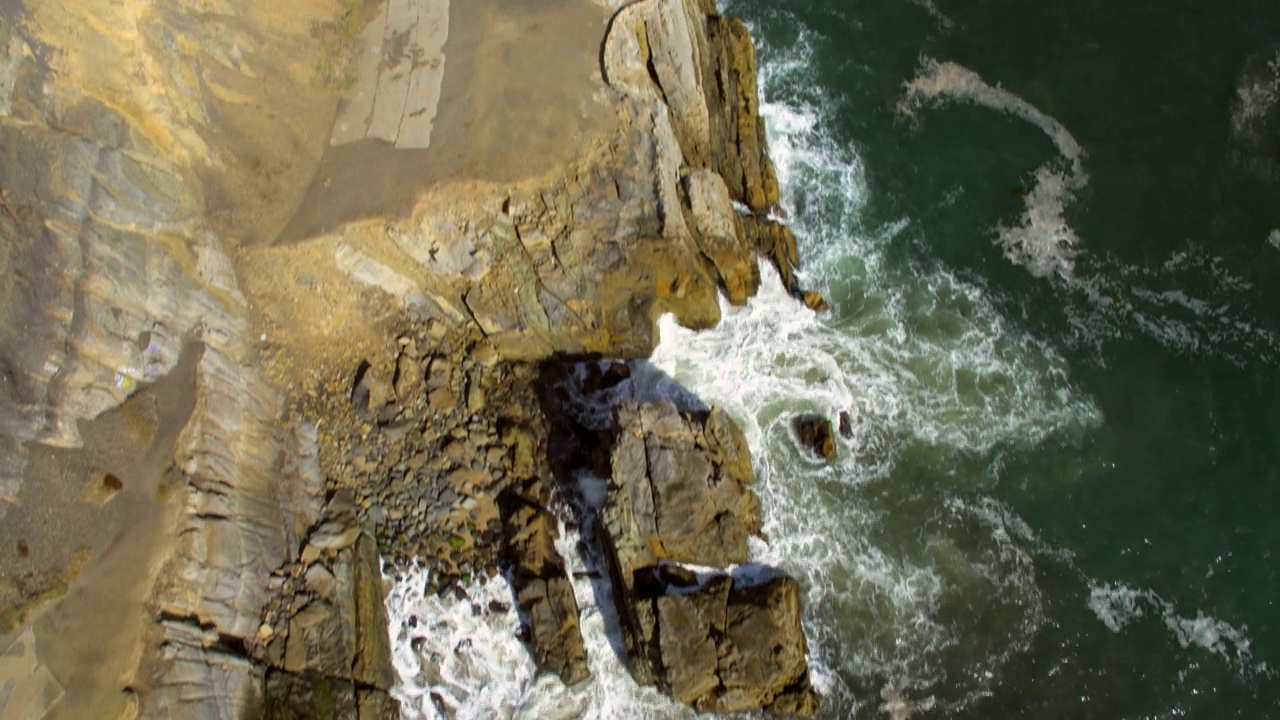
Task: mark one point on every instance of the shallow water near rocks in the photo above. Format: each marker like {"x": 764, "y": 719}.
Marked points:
{"x": 1048, "y": 239}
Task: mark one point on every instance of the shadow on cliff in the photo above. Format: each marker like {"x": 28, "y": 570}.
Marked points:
{"x": 577, "y": 397}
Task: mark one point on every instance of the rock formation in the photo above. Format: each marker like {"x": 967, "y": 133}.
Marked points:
{"x": 817, "y": 435}
{"x": 323, "y": 636}
{"x": 543, "y": 589}
{"x": 679, "y": 494}
{"x": 151, "y": 156}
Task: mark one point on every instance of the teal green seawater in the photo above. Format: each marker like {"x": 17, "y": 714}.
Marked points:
{"x": 1050, "y": 236}
{"x": 1083, "y": 462}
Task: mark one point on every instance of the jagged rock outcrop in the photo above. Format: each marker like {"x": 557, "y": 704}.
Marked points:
{"x": 727, "y": 644}
{"x": 816, "y": 434}
{"x": 148, "y": 154}
{"x": 325, "y": 627}
{"x": 680, "y": 494}
{"x": 543, "y": 589}
{"x": 655, "y": 216}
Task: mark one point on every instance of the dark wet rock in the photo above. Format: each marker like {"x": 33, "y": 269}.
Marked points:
{"x": 846, "y": 425}
{"x": 816, "y": 434}
{"x": 776, "y": 242}
{"x": 814, "y": 301}
{"x": 543, "y": 589}
{"x": 725, "y": 644}
{"x": 309, "y": 696}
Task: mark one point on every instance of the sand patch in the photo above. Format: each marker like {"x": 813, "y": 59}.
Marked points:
{"x": 519, "y": 94}
{"x": 90, "y": 529}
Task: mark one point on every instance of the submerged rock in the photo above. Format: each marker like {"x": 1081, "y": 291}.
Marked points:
{"x": 814, "y": 301}
{"x": 846, "y": 425}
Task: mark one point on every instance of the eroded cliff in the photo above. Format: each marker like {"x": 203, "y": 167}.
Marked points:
{"x": 175, "y": 188}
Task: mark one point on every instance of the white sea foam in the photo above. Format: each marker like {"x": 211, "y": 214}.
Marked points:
{"x": 1191, "y": 303}
{"x": 461, "y": 657}
{"x": 1256, "y": 95}
{"x": 1273, "y": 239}
{"x": 925, "y": 364}
{"x": 1117, "y": 605}
{"x": 1042, "y": 242}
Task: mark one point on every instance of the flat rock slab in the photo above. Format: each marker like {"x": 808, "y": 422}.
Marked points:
{"x": 27, "y": 688}
{"x": 520, "y": 95}
{"x": 399, "y": 76}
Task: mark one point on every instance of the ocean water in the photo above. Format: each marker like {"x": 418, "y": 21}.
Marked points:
{"x": 1050, "y": 235}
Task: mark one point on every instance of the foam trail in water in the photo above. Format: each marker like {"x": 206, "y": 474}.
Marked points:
{"x": 1117, "y": 605}
{"x": 1257, "y": 93}
{"x": 1274, "y": 239}
{"x": 1043, "y": 243}
{"x": 1191, "y": 303}
{"x": 1108, "y": 300}
{"x": 1255, "y": 116}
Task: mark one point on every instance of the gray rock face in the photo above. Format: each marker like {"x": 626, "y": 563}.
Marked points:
{"x": 324, "y": 632}
{"x": 680, "y": 493}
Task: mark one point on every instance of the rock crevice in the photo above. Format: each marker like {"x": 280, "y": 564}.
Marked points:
{"x": 133, "y": 229}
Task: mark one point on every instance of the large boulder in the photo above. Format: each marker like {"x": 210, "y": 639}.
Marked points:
{"x": 680, "y": 495}
{"x": 543, "y": 589}
{"x": 726, "y": 644}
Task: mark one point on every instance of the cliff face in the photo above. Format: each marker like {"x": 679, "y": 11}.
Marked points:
{"x": 124, "y": 177}
{"x": 151, "y": 156}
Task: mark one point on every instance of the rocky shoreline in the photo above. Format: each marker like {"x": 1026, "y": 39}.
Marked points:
{"x": 410, "y": 405}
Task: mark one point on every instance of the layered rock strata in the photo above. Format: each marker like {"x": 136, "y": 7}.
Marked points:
{"x": 150, "y": 153}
